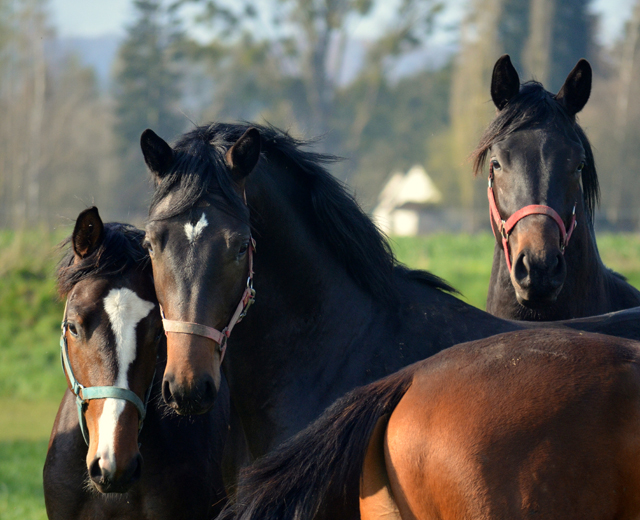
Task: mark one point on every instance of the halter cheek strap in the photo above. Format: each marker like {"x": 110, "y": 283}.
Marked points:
{"x": 218, "y": 336}
{"x": 505, "y": 227}
{"x": 84, "y": 394}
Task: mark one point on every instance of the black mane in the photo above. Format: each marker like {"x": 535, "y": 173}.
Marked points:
{"x": 120, "y": 250}
{"x": 532, "y": 105}
{"x": 200, "y": 169}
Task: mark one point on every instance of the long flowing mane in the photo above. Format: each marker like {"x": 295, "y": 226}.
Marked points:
{"x": 535, "y": 105}
{"x": 120, "y": 251}
{"x": 200, "y": 169}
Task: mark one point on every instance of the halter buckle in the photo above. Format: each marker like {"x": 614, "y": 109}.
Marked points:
{"x": 79, "y": 390}
{"x": 503, "y": 232}
{"x": 249, "y": 301}
{"x": 223, "y": 343}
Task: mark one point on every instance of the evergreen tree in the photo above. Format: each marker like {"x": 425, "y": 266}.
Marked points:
{"x": 147, "y": 92}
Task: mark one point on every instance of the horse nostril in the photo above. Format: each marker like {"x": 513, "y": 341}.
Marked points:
{"x": 136, "y": 468}
{"x": 209, "y": 392}
{"x": 557, "y": 270}
{"x": 95, "y": 471}
{"x": 521, "y": 269}
{"x": 167, "y": 395}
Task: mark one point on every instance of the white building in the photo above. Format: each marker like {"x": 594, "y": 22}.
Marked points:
{"x": 406, "y": 202}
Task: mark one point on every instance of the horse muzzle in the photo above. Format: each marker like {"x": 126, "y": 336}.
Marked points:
{"x": 192, "y": 375}
{"x": 108, "y": 480}
{"x": 538, "y": 277}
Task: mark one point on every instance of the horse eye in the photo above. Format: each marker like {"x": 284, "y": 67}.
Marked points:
{"x": 580, "y": 167}
{"x": 147, "y": 245}
{"x": 243, "y": 249}
{"x": 495, "y": 164}
{"x": 72, "y": 329}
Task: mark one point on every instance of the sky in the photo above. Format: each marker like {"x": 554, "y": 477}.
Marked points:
{"x": 84, "y": 18}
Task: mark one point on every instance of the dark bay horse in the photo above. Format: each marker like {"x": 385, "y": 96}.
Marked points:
{"x": 530, "y": 424}
{"x": 333, "y": 309}
{"x": 543, "y": 189}
{"x": 113, "y": 350}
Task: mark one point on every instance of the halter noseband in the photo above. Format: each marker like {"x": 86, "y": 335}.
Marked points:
{"x": 505, "y": 227}
{"x": 218, "y": 336}
{"x": 86, "y": 393}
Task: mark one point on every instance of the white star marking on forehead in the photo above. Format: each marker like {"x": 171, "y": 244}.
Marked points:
{"x": 193, "y": 232}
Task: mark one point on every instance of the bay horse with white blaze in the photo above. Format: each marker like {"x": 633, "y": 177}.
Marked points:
{"x": 530, "y": 424}
{"x": 543, "y": 190}
{"x": 112, "y": 415}
{"x": 333, "y": 308}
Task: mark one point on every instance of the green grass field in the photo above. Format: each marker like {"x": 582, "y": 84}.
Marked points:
{"x": 31, "y": 381}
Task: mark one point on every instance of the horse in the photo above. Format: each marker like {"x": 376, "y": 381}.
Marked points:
{"x": 333, "y": 309}
{"x": 524, "y": 424}
{"x": 112, "y": 415}
{"x": 546, "y": 264}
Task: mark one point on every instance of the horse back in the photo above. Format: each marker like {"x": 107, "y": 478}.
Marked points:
{"x": 529, "y": 423}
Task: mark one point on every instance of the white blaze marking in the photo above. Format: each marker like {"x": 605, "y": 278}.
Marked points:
{"x": 125, "y": 309}
{"x": 193, "y": 232}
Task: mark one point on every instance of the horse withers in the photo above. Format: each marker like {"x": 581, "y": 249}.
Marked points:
{"x": 543, "y": 190}
{"x": 112, "y": 415}
{"x": 529, "y": 424}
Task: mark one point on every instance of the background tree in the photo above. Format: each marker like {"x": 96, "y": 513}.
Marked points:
{"x": 613, "y": 120}
{"x": 296, "y": 64}
{"x": 147, "y": 94}
{"x": 560, "y": 33}
{"x": 53, "y": 148}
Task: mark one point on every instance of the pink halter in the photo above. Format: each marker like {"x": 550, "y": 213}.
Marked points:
{"x": 505, "y": 227}
{"x": 219, "y": 336}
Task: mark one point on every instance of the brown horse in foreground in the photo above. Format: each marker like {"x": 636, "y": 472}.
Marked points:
{"x": 535, "y": 424}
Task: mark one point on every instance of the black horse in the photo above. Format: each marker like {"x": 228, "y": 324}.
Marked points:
{"x": 112, "y": 344}
{"x": 546, "y": 264}
{"x": 333, "y": 310}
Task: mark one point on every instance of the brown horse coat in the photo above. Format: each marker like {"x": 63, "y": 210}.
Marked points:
{"x": 522, "y": 425}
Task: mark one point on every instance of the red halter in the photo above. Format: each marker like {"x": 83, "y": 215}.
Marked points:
{"x": 505, "y": 227}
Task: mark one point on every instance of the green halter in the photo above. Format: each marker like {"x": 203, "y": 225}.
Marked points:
{"x": 85, "y": 394}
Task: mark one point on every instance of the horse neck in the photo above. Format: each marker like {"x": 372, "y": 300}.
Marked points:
{"x": 307, "y": 311}
{"x": 586, "y": 290}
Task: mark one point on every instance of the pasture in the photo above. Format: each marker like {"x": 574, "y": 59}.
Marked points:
{"x": 31, "y": 382}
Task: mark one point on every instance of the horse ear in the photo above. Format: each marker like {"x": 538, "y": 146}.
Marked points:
{"x": 88, "y": 233}
{"x": 157, "y": 153}
{"x": 575, "y": 92}
{"x": 243, "y": 156}
{"x": 505, "y": 83}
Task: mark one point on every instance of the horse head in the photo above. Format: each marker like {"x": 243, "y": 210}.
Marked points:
{"x": 538, "y": 156}
{"x": 109, "y": 342}
{"x": 199, "y": 240}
